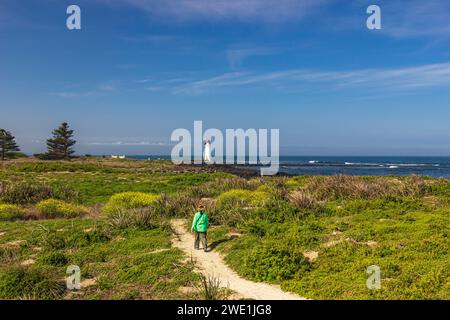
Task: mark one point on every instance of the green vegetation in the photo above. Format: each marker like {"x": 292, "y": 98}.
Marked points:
{"x": 32, "y": 192}
{"x": 239, "y": 197}
{"x": 93, "y": 181}
{"x": 342, "y": 225}
{"x": 313, "y": 235}
{"x": 10, "y": 212}
{"x": 129, "y": 200}
{"x": 26, "y": 283}
{"x": 52, "y": 208}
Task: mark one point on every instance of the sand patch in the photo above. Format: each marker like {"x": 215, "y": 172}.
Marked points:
{"x": 16, "y": 244}
{"x": 187, "y": 290}
{"x": 158, "y": 251}
{"x": 311, "y": 255}
{"x": 88, "y": 283}
{"x": 28, "y": 262}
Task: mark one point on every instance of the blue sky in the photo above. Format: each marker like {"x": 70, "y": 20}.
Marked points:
{"x": 138, "y": 69}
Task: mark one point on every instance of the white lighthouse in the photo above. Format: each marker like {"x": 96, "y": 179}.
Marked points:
{"x": 207, "y": 152}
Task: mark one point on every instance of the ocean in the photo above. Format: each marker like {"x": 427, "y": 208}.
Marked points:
{"x": 357, "y": 165}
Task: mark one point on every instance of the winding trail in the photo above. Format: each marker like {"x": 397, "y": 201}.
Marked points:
{"x": 211, "y": 263}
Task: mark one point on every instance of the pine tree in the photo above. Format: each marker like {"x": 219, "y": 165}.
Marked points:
{"x": 7, "y": 143}
{"x": 60, "y": 146}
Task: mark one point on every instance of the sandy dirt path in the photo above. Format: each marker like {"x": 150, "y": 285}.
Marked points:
{"x": 211, "y": 263}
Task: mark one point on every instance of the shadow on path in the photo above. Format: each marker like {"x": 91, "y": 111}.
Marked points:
{"x": 214, "y": 244}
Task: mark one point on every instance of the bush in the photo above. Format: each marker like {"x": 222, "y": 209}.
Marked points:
{"x": 218, "y": 186}
{"x": 145, "y": 218}
{"x": 9, "y": 254}
{"x": 16, "y": 155}
{"x": 24, "y": 193}
{"x": 242, "y": 198}
{"x": 129, "y": 200}
{"x": 269, "y": 263}
{"x": 25, "y": 283}
{"x": 210, "y": 287}
{"x": 29, "y": 193}
{"x": 52, "y": 208}
{"x": 55, "y": 259}
{"x": 234, "y": 207}
{"x": 303, "y": 200}
{"x": 82, "y": 238}
{"x": 177, "y": 205}
{"x": 349, "y": 187}
{"x": 276, "y": 187}
{"x": 277, "y": 211}
{"x": 10, "y": 212}
{"x": 231, "y": 217}
{"x": 51, "y": 239}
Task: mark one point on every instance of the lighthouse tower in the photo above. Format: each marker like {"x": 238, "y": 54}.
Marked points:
{"x": 207, "y": 152}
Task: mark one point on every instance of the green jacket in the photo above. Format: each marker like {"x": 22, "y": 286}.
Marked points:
{"x": 200, "y": 222}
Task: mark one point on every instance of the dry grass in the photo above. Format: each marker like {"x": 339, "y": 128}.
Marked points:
{"x": 218, "y": 186}
{"x": 350, "y": 187}
{"x": 303, "y": 200}
{"x": 177, "y": 205}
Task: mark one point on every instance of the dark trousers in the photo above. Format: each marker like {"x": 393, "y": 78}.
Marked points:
{"x": 197, "y": 240}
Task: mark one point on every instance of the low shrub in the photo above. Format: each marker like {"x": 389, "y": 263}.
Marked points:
{"x": 277, "y": 211}
{"x": 49, "y": 238}
{"x": 66, "y": 193}
{"x": 276, "y": 187}
{"x": 10, "y": 212}
{"x": 177, "y": 205}
{"x": 59, "y": 166}
{"x": 85, "y": 238}
{"x": 210, "y": 287}
{"x": 416, "y": 186}
{"x": 303, "y": 200}
{"x": 25, "y": 193}
{"x": 349, "y": 187}
{"x": 218, "y": 186}
{"x": 145, "y": 218}
{"x": 9, "y": 254}
{"x": 242, "y": 198}
{"x": 232, "y": 216}
{"x": 129, "y": 200}
{"x": 268, "y": 263}
{"x": 52, "y": 208}
{"x": 29, "y": 193}
{"x": 29, "y": 283}
{"x": 53, "y": 239}
{"x": 55, "y": 259}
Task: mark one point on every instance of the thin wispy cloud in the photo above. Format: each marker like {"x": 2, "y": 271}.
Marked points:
{"x": 401, "y": 19}
{"x": 236, "y": 56}
{"x": 416, "y": 18}
{"x": 220, "y": 10}
{"x": 99, "y": 90}
{"x": 392, "y": 79}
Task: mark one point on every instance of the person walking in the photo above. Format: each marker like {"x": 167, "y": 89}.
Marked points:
{"x": 200, "y": 227}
